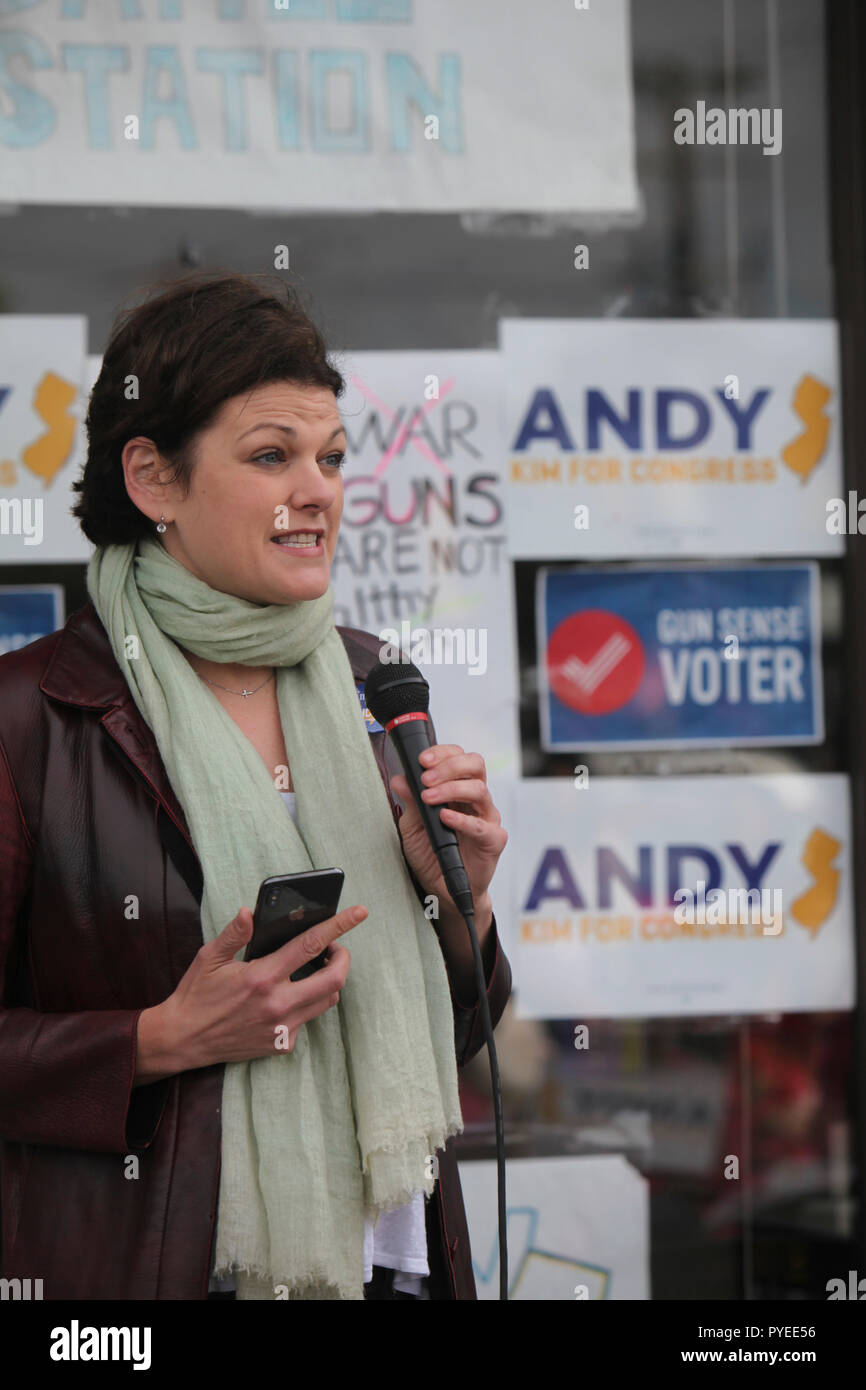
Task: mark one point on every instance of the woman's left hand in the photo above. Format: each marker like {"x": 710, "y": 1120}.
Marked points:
{"x": 451, "y": 775}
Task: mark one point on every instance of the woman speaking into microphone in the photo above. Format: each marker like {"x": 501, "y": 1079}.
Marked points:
{"x": 179, "y": 1122}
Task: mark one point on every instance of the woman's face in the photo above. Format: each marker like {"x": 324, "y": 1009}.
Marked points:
{"x": 266, "y": 478}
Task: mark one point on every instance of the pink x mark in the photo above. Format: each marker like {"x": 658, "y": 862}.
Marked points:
{"x": 403, "y": 431}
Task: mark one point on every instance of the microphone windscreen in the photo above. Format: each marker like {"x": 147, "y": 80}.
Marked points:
{"x": 392, "y": 689}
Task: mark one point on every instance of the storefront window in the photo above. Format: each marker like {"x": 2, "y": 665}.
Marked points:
{"x": 698, "y": 358}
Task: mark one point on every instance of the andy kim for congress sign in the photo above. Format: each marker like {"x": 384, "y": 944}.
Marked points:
{"x": 692, "y": 655}
{"x": 678, "y": 437}
{"x": 611, "y": 919}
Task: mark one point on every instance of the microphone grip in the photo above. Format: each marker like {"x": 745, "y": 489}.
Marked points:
{"x": 411, "y": 738}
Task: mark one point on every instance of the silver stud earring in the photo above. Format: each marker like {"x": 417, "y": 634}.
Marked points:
{"x": 160, "y": 525}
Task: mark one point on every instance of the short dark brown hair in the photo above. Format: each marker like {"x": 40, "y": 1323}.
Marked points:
{"x": 194, "y": 343}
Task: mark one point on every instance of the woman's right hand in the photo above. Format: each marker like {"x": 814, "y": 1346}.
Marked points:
{"x": 226, "y": 1010}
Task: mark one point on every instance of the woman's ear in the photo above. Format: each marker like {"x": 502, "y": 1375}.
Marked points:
{"x": 142, "y": 469}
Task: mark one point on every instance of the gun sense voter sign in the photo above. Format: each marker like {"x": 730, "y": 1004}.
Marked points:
{"x": 693, "y": 655}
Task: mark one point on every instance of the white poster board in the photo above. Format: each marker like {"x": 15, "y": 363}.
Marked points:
{"x": 578, "y": 1228}
{"x": 42, "y": 403}
{"x": 349, "y": 105}
{"x": 595, "y": 866}
{"x": 688, "y": 437}
{"x": 422, "y": 547}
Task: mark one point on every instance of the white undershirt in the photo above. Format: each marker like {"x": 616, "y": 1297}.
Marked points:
{"x": 399, "y": 1239}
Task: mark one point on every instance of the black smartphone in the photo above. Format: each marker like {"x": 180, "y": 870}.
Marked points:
{"x": 287, "y": 905}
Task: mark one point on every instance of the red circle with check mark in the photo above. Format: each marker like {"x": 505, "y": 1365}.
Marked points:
{"x": 595, "y": 661}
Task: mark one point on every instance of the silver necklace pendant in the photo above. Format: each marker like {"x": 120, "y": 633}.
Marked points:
{"x": 243, "y": 692}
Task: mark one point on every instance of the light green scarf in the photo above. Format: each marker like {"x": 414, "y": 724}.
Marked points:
{"x": 314, "y": 1139}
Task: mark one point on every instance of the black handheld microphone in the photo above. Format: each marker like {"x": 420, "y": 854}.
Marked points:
{"x": 398, "y": 697}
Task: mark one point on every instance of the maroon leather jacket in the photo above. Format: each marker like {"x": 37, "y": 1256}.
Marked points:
{"x": 87, "y": 819}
